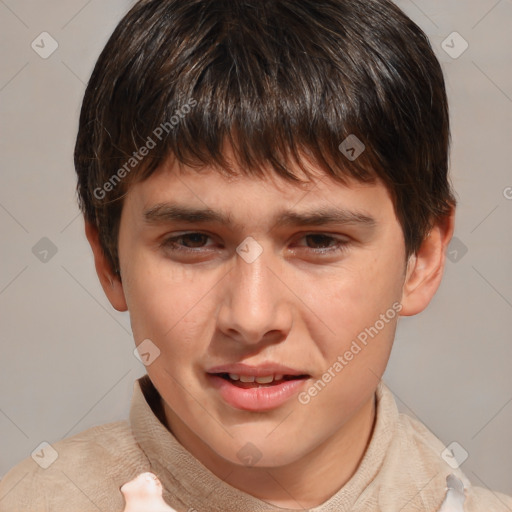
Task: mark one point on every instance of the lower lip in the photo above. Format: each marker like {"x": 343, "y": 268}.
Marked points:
{"x": 256, "y": 399}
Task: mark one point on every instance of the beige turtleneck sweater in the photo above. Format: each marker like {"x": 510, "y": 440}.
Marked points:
{"x": 401, "y": 470}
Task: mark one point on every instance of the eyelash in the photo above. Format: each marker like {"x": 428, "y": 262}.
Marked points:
{"x": 170, "y": 243}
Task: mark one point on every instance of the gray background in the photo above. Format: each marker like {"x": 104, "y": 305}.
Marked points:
{"x": 66, "y": 360}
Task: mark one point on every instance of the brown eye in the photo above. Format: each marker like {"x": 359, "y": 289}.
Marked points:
{"x": 194, "y": 240}
{"x": 322, "y": 240}
{"x": 322, "y": 243}
{"x": 186, "y": 241}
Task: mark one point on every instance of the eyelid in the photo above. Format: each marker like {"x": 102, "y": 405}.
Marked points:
{"x": 341, "y": 243}
{"x": 171, "y": 240}
{"x": 335, "y": 236}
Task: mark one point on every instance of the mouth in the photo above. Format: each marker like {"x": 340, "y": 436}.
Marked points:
{"x": 249, "y": 382}
{"x": 256, "y": 394}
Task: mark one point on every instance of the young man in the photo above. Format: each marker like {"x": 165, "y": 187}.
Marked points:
{"x": 264, "y": 186}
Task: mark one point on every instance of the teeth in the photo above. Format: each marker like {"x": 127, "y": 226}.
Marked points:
{"x": 266, "y": 379}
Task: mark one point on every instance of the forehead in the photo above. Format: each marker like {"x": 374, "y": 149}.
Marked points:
{"x": 181, "y": 193}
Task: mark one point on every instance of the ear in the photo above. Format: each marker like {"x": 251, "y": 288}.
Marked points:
{"x": 425, "y": 268}
{"x": 110, "y": 282}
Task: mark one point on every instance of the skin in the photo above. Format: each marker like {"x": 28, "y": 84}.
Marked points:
{"x": 292, "y": 305}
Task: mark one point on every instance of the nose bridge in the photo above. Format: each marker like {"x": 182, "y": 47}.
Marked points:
{"x": 251, "y": 282}
{"x": 253, "y": 304}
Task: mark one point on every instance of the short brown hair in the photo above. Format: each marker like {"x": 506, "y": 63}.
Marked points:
{"x": 277, "y": 79}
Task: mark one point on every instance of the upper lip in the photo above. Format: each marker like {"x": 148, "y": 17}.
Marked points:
{"x": 261, "y": 370}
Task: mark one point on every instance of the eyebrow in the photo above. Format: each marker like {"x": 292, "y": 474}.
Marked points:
{"x": 169, "y": 212}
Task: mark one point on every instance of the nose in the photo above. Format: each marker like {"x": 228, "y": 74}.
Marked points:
{"x": 255, "y": 305}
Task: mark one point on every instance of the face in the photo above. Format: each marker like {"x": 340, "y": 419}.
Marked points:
{"x": 303, "y": 291}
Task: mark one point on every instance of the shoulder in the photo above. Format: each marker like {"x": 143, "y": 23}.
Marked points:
{"x": 427, "y": 451}
{"x": 76, "y": 473}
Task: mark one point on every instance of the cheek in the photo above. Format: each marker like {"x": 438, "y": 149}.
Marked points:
{"x": 354, "y": 298}
{"x": 167, "y": 307}
{"x": 350, "y": 303}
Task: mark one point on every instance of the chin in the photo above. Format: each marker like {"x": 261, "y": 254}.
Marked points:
{"x": 258, "y": 454}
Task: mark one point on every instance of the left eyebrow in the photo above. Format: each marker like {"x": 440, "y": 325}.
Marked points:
{"x": 169, "y": 212}
{"x": 325, "y": 216}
